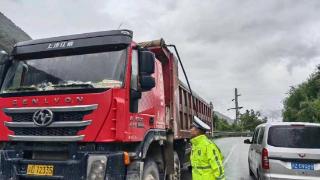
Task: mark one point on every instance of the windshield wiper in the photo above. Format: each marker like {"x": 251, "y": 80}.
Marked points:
{"x": 85, "y": 85}
{"x": 23, "y": 89}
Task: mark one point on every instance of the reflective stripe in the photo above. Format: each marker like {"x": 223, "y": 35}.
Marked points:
{"x": 211, "y": 141}
{"x": 201, "y": 167}
{"x": 215, "y": 146}
{"x": 218, "y": 162}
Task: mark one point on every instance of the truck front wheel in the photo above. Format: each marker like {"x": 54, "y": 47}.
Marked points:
{"x": 150, "y": 170}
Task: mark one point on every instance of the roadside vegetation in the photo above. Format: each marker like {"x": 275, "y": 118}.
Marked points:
{"x": 247, "y": 122}
{"x": 303, "y": 101}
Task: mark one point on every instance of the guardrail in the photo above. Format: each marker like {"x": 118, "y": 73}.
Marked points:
{"x": 218, "y": 134}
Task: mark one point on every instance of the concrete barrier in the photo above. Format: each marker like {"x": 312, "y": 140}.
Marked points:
{"x": 218, "y": 134}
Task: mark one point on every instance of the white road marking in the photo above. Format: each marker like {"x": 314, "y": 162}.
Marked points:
{"x": 230, "y": 153}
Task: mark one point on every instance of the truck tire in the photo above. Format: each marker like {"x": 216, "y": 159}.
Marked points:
{"x": 150, "y": 170}
{"x": 177, "y": 170}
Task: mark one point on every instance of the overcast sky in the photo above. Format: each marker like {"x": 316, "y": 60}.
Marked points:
{"x": 260, "y": 47}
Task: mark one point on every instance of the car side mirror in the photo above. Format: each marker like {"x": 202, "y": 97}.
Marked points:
{"x": 247, "y": 141}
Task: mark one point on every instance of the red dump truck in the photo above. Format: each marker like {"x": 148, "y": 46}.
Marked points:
{"x": 94, "y": 106}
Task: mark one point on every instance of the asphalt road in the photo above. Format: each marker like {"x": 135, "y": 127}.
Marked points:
{"x": 235, "y": 158}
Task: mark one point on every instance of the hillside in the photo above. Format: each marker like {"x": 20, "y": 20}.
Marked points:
{"x": 222, "y": 116}
{"x": 10, "y": 34}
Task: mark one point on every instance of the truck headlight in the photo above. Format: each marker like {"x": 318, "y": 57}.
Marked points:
{"x": 96, "y": 169}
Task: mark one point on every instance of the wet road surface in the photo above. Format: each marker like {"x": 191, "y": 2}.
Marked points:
{"x": 235, "y": 158}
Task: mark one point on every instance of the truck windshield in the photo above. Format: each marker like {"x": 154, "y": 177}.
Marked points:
{"x": 96, "y": 70}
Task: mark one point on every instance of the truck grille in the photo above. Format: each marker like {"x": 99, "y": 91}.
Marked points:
{"x": 67, "y": 121}
{"x": 59, "y": 116}
{"x": 70, "y": 131}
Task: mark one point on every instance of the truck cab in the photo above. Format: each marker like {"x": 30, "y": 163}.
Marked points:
{"x": 94, "y": 106}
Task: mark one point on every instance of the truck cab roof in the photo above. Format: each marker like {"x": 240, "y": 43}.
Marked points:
{"x": 73, "y": 44}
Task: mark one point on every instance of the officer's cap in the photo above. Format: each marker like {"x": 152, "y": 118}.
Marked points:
{"x": 198, "y": 123}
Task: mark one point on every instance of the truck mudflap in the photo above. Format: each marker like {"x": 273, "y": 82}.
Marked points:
{"x": 135, "y": 170}
{"x": 82, "y": 166}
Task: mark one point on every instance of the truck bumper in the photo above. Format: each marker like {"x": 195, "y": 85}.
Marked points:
{"x": 13, "y": 166}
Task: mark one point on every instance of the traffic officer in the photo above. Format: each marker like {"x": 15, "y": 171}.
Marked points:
{"x": 206, "y": 158}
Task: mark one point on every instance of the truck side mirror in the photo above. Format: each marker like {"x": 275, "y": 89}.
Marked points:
{"x": 147, "y": 82}
{"x": 146, "y": 62}
{"x": 4, "y": 58}
{"x": 146, "y": 69}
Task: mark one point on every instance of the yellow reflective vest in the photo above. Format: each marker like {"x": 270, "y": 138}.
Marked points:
{"x": 206, "y": 160}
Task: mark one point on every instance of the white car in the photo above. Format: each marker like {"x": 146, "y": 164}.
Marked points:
{"x": 286, "y": 150}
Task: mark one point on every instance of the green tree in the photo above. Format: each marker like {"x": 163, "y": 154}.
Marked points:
{"x": 248, "y": 121}
{"x": 251, "y": 119}
{"x": 303, "y": 101}
{"x": 221, "y": 124}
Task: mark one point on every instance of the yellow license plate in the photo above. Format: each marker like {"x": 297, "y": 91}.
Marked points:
{"x": 40, "y": 170}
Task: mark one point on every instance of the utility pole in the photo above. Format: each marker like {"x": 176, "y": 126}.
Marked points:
{"x": 236, "y": 103}
{"x": 236, "y": 95}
